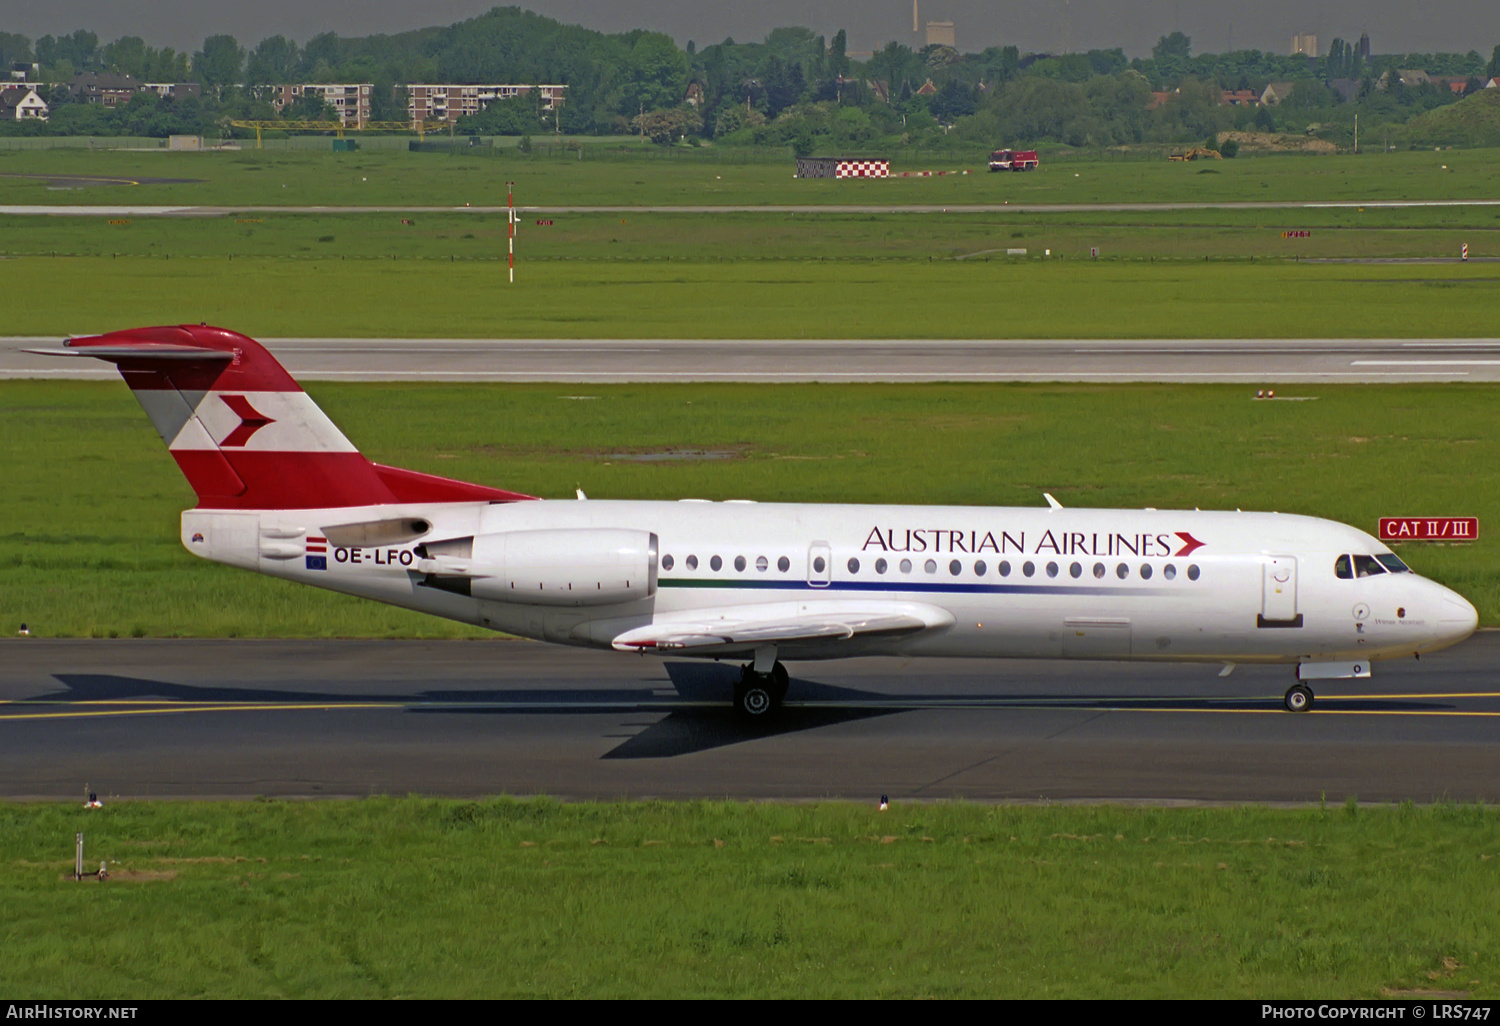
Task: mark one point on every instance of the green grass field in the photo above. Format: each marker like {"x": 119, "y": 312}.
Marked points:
{"x": 389, "y": 898}
{"x": 1337, "y": 233}
{"x": 92, "y": 498}
{"x": 248, "y": 177}
{"x": 1200, "y": 273}
{"x": 792, "y": 299}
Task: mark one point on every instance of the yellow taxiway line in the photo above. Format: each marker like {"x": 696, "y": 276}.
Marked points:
{"x": 91, "y": 708}
{"x": 220, "y": 707}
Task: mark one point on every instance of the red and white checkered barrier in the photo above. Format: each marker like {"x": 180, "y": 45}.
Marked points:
{"x": 840, "y": 167}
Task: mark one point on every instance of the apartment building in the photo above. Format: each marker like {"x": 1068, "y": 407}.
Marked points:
{"x": 429, "y": 102}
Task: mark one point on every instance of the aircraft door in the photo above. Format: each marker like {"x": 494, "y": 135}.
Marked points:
{"x": 1278, "y": 603}
{"x": 819, "y": 564}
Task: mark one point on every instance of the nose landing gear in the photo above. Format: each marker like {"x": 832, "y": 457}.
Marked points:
{"x": 1299, "y": 698}
{"x": 758, "y": 696}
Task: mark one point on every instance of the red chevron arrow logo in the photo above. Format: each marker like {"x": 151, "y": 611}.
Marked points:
{"x": 251, "y": 421}
{"x": 1192, "y": 544}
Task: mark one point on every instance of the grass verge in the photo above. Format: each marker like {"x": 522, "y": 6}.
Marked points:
{"x": 413, "y": 897}
{"x": 91, "y": 500}
{"x": 250, "y": 178}
{"x": 329, "y": 297}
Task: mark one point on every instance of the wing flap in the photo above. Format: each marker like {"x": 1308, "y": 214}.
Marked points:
{"x": 737, "y": 628}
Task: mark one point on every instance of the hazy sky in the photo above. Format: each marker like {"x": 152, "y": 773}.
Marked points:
{"x": 1051, "y": 25}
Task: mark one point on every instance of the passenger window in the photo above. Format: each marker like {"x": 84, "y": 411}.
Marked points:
{"x": 930, "y": 566}
{"x": 955, "y": 568}
{"x": 739, "y": 563}
{"x": 1367, "y": 566}
{"x": 1099, "y": 571}
{"x": 1122, "y": 571}
{"x": 853, "y": 565}
{"x": 1169, "y": 571}
{"x": 1076, "y": 570}
{"x": 692, "y": 562}
{"x": 666, "y": 562}
{"x": 880, "y": 565}
{"x": 1343, "y": 569}
{"x": 819, "y": 565}
{"x": 1145, "y": 571}
{"x": 783, "y": 564}
{"x": 715, "y": 563}
{"x": 979, "y": 568}
{"x": 1004, "y": 568}
{"x": 1192, "y": 571}
{"x": 762, "y": 564}
{"x": 1028, "y": 568}
{"x": 1051, "y": 569}
{"x": 906, "y": 566}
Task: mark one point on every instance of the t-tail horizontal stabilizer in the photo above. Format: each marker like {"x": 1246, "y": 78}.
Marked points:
{"x": 245, "y": 434}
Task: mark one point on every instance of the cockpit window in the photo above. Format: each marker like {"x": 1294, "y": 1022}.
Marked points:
{"x": 1367, "y": 566}
{"x": 1392, "y": 562}
{"x": 1343, "y": 569}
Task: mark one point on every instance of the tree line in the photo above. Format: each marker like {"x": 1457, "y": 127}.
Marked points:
{"x": 793, "y": 88}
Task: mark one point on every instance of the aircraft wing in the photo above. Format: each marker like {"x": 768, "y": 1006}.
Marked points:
{"x": 741, "y": 627}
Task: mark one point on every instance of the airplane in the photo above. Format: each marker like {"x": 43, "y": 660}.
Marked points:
{"x": 282, "y": 492}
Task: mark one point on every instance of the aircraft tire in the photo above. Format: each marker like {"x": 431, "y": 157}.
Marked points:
{"x": 756, "y": 699}
{"x": 1299, "y": 698}
{"x": 780, "y": 681}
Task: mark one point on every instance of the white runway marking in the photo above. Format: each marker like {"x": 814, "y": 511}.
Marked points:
{"x": 1424, "y": 363}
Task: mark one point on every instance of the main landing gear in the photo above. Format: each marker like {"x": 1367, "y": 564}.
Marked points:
{"x": 757, "y": 696}
{"x": 1299, "y": 698}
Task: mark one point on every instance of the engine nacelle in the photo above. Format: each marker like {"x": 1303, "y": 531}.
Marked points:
{"x": 571, "y": 567}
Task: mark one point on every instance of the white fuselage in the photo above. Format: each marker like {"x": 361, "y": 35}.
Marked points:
{"x": 998, "y": 582}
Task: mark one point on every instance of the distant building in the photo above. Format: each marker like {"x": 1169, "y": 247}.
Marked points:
{"x": 105, "y": 88}
{"x": 1363, "y": 49}
{"x": 1347, "y": 88}
{"x": 350, "y": 100}
{"x": 928, "y": 89}
{"x": 21, "y": 103}
{"x": 1412, "y": 76}
{"x": 1276, "y": 94}
{"x": 1305, "y": 44}
{"x": 173, "y": 90}
{"x": 1493, "y": 83}
{"x": 1158, "y": 100}
{"x": 694, "y": 95}
{"x": 1455, "y": 83}
{"x": 1239, "y": 98}
{"x": 940, "y": 33}
{"x": 427, "y": 102}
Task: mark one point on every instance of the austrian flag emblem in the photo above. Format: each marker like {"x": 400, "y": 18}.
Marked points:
{"x": 317, "y": 553}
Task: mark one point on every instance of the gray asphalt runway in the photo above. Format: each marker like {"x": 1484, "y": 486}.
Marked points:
{"x": 1251, "y": 361}
{"x": 321, "y": 718}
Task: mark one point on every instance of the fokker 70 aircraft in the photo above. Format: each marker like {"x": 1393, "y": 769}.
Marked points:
{"x": 281, "y": 491}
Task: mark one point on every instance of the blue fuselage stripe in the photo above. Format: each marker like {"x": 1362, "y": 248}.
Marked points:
{"x": 896, "y": 587}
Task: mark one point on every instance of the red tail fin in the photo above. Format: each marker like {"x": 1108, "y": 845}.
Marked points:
{"x": 246, "y": 435}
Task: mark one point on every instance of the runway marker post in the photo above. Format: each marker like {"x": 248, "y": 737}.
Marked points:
{"x": 510, "y": 203}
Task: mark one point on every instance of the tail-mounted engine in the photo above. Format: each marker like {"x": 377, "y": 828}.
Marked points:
{"x": 573, "y": 567}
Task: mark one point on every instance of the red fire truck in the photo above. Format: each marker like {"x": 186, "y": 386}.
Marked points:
{"x": 1014, "y": 160}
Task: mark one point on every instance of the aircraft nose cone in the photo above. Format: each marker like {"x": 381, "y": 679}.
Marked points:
{"x": 1459, "y": 615}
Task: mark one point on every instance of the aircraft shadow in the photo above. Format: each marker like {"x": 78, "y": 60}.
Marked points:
{"x": 685, "y": 731}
